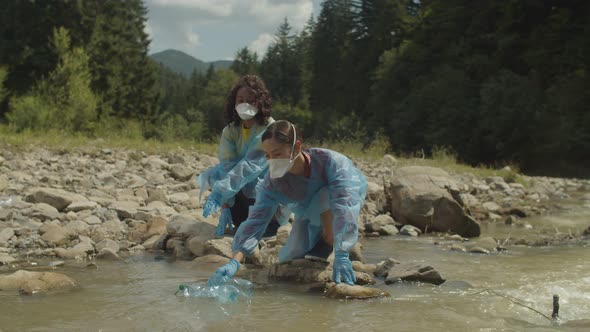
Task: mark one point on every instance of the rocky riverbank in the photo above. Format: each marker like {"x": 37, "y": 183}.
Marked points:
{"x": 109, "y": 203}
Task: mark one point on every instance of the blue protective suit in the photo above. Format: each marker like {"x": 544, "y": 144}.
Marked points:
{"x": 242, "y": 164}
{"x": 333, "y": 183}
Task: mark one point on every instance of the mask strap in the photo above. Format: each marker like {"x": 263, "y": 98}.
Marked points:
{"x": 294, "y": 140}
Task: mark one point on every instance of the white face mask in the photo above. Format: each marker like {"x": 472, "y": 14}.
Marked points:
{"x": 279, "y": 167}
{"x": 246, "y": 111}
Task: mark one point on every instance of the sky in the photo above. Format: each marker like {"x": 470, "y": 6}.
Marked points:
{"x": 212, "y": 30}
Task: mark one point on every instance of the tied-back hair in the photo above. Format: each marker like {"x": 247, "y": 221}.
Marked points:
{"x": 282, "y": 131}
{"x": 263, "y": 101}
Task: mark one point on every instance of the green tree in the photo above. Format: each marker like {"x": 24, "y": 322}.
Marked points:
{"x": 64, "y": 100}
{"x": 213, "y": 103}
{"x": 245, "y": 62}
{"x": 281, "y": 69}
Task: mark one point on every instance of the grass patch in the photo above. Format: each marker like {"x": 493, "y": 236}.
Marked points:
{"x": 56, "y": 141}
{"x": 130, "y": 139}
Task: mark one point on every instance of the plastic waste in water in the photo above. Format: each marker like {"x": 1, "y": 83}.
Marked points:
{"x": 225, "y": 293}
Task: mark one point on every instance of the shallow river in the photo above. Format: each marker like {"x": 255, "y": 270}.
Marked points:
{"x": 138, "y": 293}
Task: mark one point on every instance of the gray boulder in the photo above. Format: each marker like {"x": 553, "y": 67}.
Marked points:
{"x": 413, "y": 272}
{"x": 422, "y": 196}
{"x": 27, "y": 282}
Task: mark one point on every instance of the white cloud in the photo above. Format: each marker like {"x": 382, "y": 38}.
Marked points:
{"x": 260, "y": 45}
{"x": 192, "y": 37}
{"x": 201, "y": 27}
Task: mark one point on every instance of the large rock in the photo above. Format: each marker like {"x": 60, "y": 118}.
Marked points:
{"x": 344, "y": 291}
{"x": 6, "y": 258}
{"x": 379, "y": 223}
{"x": 81, "y": 206}
{"x": 125, "y": 209}
{"x": 181, "y": 173}
{"x": 107, "y": 243}
{"x": 196, "y": 245}
{"x": 185, "y": 226}
{"x": 221, "y": 247}
{"x": 5, "y": 235}
{"x": 42, "y": 212}
{"x": 57, "y": 198}
{"x": 28, "y": 282}
{"x": 70, "y": 253}
{"x": 56, "y": 235}
{"x": 309, "y": 272}
{"x": 421, "y": 196}
{"x": 413, "y": 272}
{"x": 383, "y": 267}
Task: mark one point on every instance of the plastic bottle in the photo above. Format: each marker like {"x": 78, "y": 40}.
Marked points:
{"x": 225, "y": 293}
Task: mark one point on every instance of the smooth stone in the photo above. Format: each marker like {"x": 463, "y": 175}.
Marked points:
{"x": 27, "y": 282}
{"x": 71, "y": 253}
{"x": 413, "y": 272}
{"x": 345, "y": 291}
{"x": 107, "y": 254}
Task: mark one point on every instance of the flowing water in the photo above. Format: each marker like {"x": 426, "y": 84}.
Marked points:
{"x": 138, "y": 293}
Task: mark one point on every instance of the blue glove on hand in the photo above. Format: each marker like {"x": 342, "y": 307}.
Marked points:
{"x": 343, "y": 269}
{"x": 224, "y": 273}
{"x": 211, "y": 205}
{"x": 225, "y": 221}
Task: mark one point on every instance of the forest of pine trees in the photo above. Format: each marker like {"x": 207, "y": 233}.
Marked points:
{"x": 494, "y": 81}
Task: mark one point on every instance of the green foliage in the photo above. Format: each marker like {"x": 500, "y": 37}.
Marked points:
{"x": 214, "y": 99}
{"x": 3, "y": 91}
{"x": 245, "y": 62}
{"x": 64, "y": 99}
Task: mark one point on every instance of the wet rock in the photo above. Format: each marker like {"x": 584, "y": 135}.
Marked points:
{"x": 413, "y": 272}
{"x": 154, "y": 242}
{"x": 510, "y": 220}
{"x": 355, "y": 254}
{"x": 344, "y": 291}
{"x": 514, "y": 211}
{"x": 221, "y": 247}
{"x": 108, "y": 243}
{"x": 6, "y": 259}
{"x": 196, "y": 245}
{"x": 156, "y": 225}
{"x": 454, "y": 237}
{"x": 487, "y": 243}
{"x": 211, "y": 259}
{"x": 30, "y": 283}
{"x": 383, "y": 267}
{"x": 383, "y": 224}
{"x": 85, "y": 244}
{"x": 366, "y": 268}
{"x": 587, "y": 231}
{"x": 420, "y": 196}
{"x": 300, "y": 270}
{"x": 107, "y": 254}
{"x": 478, "y": 250}
{"x": 71, "y": 253}
{"x": 410, "y": 230}
{"x": 457, "y": 247}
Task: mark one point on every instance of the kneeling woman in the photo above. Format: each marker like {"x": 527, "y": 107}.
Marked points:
{"x": 323, "y": 189}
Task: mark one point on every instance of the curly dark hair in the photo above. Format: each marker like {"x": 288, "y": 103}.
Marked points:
{"x": 263, "y": 101}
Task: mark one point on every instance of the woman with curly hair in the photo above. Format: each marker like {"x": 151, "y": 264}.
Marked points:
{"x": 241, "y": 159}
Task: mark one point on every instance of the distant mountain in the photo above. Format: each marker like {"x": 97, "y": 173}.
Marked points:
{"x": 183, "y": 63}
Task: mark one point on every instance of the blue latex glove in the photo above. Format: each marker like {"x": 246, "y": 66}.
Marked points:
{"x": 225, "y": 221}
{"x": 211, "y": 205}
{"x": 343, "y": 269}
{"x": 224, "y": 273}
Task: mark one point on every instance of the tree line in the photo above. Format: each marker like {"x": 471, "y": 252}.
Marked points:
{"x": 495, "y": 81}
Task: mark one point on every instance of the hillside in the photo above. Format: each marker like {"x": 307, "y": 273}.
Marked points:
{"x": 183, "y": 63}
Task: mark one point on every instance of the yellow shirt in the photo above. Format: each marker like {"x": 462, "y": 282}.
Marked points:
{"x": 246, "y": 132}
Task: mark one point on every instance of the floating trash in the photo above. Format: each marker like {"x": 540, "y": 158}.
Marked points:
{"x": 228, "y": 292}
